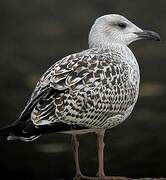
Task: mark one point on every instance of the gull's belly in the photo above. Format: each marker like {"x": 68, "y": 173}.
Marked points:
{"x": 103, "y": 107}
{"x": 106, "y": 97}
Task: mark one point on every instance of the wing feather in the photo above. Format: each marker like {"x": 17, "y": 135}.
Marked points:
{"x": 80, "y": 74}
{"x": 59, "y": 77}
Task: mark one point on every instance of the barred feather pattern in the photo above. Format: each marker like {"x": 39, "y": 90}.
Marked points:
{"x": 94, "y": 88}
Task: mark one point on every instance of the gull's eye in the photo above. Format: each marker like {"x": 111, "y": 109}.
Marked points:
{"x": 122, "y": 25}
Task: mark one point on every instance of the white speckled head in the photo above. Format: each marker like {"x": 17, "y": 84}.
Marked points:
{"x": 112, "y": 28}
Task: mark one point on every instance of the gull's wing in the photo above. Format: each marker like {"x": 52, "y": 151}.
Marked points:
{"x": 44, "y": 101}
{"x": 72, "y": 78}
{"x": 60, "y": 77}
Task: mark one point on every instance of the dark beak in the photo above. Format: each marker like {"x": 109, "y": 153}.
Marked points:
{"x": 150, "y": 35}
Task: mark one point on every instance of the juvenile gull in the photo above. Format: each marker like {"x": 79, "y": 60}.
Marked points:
{"x": 89, "y": 91}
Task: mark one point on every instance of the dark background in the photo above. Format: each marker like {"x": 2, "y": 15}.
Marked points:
{"x": 36, "y": 33}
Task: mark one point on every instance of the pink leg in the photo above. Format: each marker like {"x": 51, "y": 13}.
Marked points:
{"x": 100, "y": 174}
{"x": 100, "y": 143}
{"x": 79, "y": 175}
{"x": 75, "y": 144}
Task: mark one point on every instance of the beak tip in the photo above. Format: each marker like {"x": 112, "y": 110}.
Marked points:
{"x": 156, "y": 36}
{"x": 151, "y": 35}
{"x": 158, "y": 39}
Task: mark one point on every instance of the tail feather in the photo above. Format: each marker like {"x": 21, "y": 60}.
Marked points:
{"x": 27, "y": 131}
{"x": 15, "y": 132}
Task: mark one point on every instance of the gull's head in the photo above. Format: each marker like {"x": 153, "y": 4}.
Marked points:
{"x": 115, "y": 28}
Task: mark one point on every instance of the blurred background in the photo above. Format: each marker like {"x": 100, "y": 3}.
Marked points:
{"x": 36, "y": 33}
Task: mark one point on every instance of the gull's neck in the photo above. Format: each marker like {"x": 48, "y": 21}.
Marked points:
{"x": 101, "y": 40}
{"x": 117, "y": 50}
{"x": 107, "y": 46}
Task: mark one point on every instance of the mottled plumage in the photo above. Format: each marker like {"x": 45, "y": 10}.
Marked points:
{"x": 97, "y": 89}
{"x": 91, "y": 89}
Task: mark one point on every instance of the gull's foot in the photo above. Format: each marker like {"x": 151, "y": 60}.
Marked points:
{"x": 121, "y": 178}
{"x": 82, "y": 177}
{"x": 114, "y": 178}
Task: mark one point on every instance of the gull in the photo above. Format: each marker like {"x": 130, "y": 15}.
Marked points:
{"x": 89, "y": 91}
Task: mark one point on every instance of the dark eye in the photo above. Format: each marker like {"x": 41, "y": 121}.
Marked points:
{"x": 122, "y": 25}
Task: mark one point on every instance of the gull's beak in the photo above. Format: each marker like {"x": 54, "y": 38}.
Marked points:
{"x": 150, "y": 35}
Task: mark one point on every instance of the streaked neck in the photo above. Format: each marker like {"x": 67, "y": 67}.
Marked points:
{"x": 107, "y": 46}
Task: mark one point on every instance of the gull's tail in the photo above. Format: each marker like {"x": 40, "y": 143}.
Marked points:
{"x": 27, "y": 131}
{"x": 16, "y": 131}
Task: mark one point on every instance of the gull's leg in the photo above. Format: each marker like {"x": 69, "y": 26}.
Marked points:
{"x": 100, "y": 144}
{"x": 101, "y": 174}
{"x": 75, "y": 144}
{"x": 79, "y": 175}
